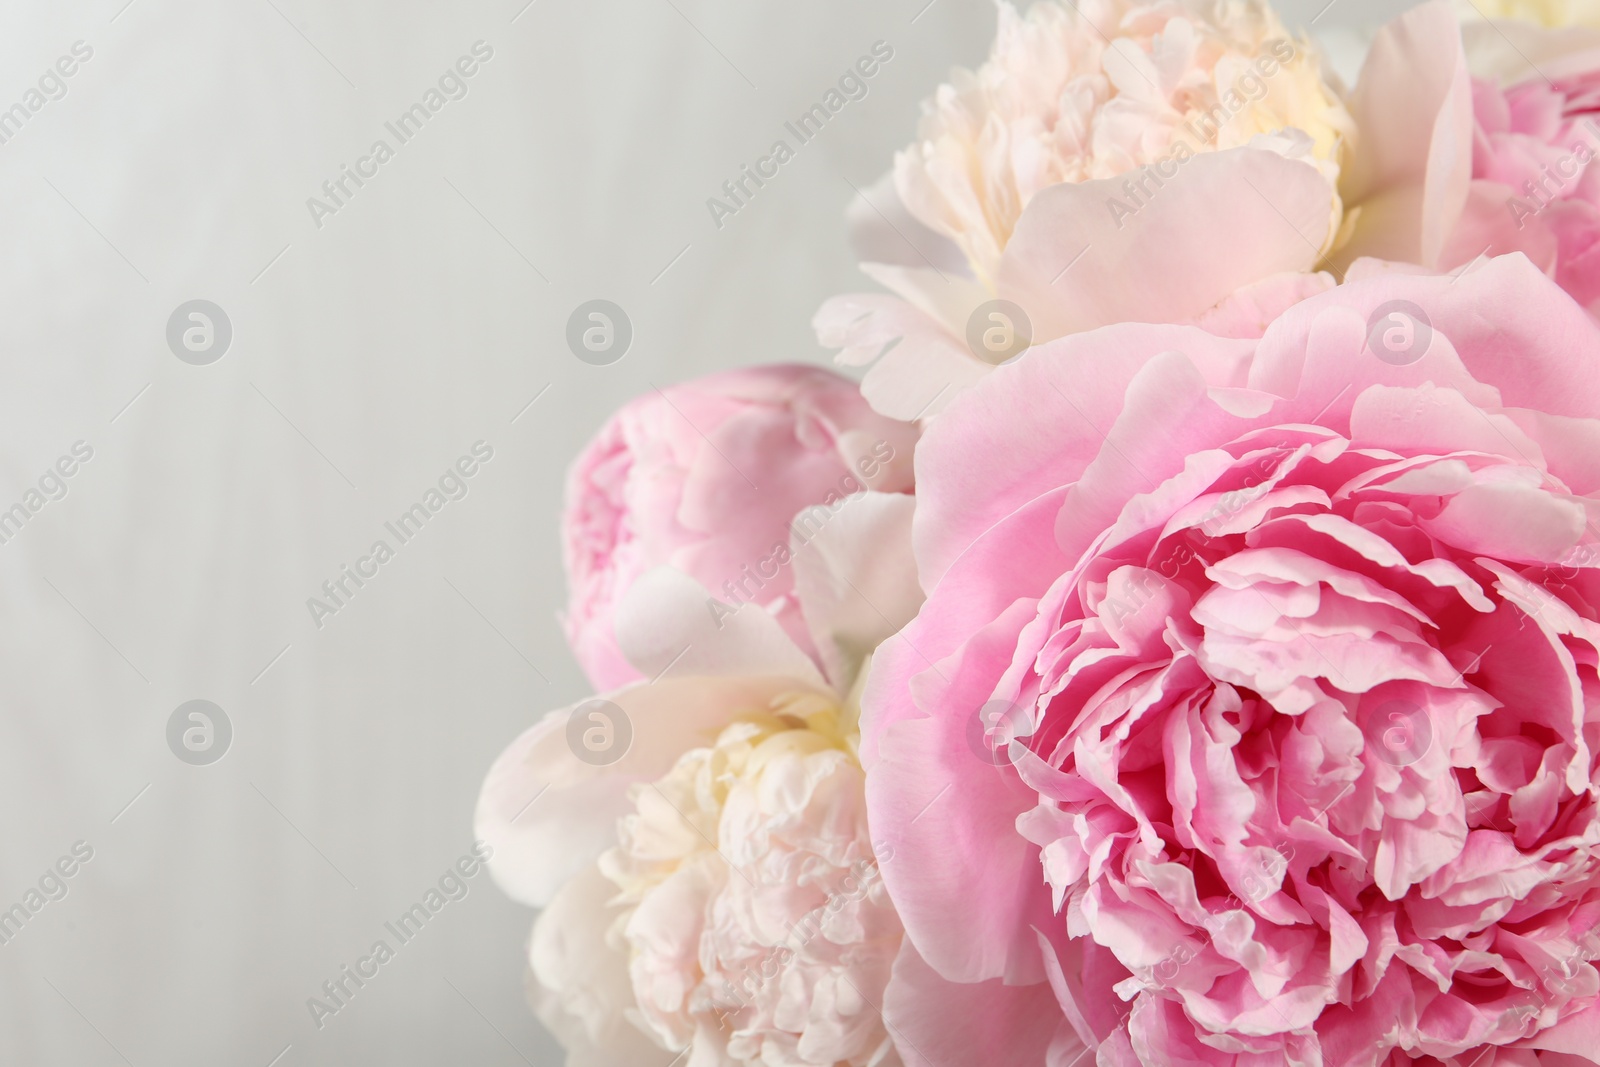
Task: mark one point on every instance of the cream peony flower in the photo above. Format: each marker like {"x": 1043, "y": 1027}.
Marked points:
{"x": 1077, "y": 93}
{"x": 711, "y": 895}
{"x": 1103, "y": 166}
{"x": 754, "y": 919}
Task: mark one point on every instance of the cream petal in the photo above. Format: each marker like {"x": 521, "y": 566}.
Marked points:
{"x": 856, "y": 577}
{"x": 668, "y": 622}
{"x": 1078, "y": 244}
{"x": 1409, "y": 180}
{"x": 547, "y": 813}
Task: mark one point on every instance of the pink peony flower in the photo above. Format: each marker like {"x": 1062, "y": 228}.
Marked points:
{"x": 1253, "y": 711}
{"x": 699, "y": 844}
{"x": 1500, "y": 162}
{"x": 1533, "y": 189}
{"x": 707, "y": 477}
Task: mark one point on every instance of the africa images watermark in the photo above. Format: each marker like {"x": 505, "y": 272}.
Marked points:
{"x": 1248, "y": 88}
{"x": 52, "y": 86}
{"x": 453, "y": 885}
{"x": 852, "y": 85}
{"x": 452, "y": 85}
{"x": 52, "y": 887}
{"x": 807, "y": 524}
{"x": 452, "y": 485}
{"x": 52, "y": 487}
{"x": 1577, "y": 158}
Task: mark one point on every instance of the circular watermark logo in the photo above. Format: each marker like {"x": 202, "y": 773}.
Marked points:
{"x": 199, "y": 332}
{"x": 1399, "y": 732}
{"x": 599, "y": 332}
{"x": 599, "y": 733}
{"x": 996, "y": 717}
{"x": 198, "y": 732}
{"x": 998, "y": 331}
{"x": 1399, "y": 333}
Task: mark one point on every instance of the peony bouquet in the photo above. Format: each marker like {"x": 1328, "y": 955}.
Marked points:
{"x": 1183, "y": 645}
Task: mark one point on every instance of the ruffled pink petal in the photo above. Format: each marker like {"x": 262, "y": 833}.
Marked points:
{"x": 1041, "y": 422}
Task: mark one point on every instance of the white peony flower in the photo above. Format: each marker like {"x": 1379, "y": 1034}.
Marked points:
{"x": 712, "y": 895}
{"x": 754, "y": 919}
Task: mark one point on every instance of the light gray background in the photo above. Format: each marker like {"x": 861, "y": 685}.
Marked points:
{"x": 366, "y": 357}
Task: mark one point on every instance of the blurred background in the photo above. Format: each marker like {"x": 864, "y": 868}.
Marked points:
{"x": 348, "y": 350}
